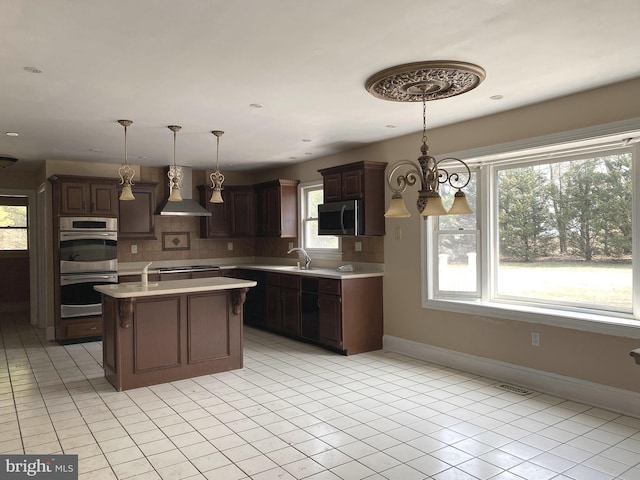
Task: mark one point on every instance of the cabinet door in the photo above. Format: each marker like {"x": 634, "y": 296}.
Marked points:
{"x": 330, "y": 320}
{"x": 243, "y": 207}
{"x": 75, "y": 198}
{"x": 136, "y": 217}
{"x": 291, "y": 311}
{"x": 274, "y": 307}
{"x": 352, "y": 185}
{"x": 104, "y": 199}
{"x": 217, "y": 225}
{"x": 332, "y": 186}
{"x": 272, "y": 211}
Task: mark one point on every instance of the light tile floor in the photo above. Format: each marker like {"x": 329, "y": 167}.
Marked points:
{"x": 295, "y": 411}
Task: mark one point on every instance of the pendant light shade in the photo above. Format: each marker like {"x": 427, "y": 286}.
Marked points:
{"x": 125, "y": 172}
{"x": 175, "y": 172}
{"x": 217, "y": 178}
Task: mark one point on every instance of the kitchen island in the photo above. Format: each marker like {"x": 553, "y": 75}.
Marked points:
{"x": 171, "y": 330}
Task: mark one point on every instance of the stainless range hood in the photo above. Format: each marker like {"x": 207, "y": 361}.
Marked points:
{"x": 187, "y": 207}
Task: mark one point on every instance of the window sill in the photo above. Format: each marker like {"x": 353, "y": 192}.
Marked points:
{"x": 621, "y": 326}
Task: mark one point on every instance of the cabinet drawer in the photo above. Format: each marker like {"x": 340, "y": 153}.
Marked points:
{"x": 84, "y": 329}
{"x": 290, "y": 281}
{"x": 329, "y": 286}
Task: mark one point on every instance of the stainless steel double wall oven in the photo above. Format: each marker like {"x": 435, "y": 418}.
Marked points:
{"x": 88, "y": 257}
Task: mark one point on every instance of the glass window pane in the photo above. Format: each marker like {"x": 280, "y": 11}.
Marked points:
{"x": 314, "y": 198}
{"x": 13, "y": 216}
{"x": 457, "y": 262}
{"x": 13, "y": 239}
{"x": 565, "y": 232}
{"x": 313, "y": 240}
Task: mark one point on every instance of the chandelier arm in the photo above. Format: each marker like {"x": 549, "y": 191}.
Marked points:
{"x": 408, "y": 179}
{"x": 453, "y": 178}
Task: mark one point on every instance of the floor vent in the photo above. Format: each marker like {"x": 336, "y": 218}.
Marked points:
{"x": 513, "y": 389}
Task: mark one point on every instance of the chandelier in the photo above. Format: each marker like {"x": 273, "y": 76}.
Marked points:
{"x": 126, "y": 172}
{"x": 423, "y": 82}
{"x": 217, "y": 177}
{"x": 175, "y": 172}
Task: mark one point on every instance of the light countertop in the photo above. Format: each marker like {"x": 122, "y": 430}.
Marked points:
{"x": 172, "y": 287}
{"x": 360, "y": 271}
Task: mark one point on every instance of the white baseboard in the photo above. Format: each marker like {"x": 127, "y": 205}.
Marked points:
{"x": 603, "y": 396}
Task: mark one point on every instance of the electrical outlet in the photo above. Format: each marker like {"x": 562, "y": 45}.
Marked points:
{"x": 230, "y": 246}
{"x": 398, "y": 233}
{"x": 134, "y": 248}
{"x": 535, "y": 339}
{"x": 290, "y": 245}
{"x": 358, "y": 246}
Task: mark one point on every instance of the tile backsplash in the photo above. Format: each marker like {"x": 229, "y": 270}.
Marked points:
{"x": 372, "y": 248}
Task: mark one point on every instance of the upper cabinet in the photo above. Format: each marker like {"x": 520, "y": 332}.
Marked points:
{"x": 277, "y": 208}
{"x": 362, "y": 181}
{"x": 85, "y": 196}
{"x": 233, "y": 218}
{"x": 136, "y": 218}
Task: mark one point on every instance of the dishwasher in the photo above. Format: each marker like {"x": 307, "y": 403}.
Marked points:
{"x": 310, "y": 311}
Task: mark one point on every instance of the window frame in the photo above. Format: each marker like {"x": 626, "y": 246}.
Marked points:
{"x": 13, "y": 201}
{"x": 487, "y": 162}
{"x": 321, "y": 253}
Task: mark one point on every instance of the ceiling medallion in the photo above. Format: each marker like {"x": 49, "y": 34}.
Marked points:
{"x": 425, "y": 81}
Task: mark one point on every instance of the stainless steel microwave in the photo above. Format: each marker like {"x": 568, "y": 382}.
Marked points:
{"x": 341, "y": 218}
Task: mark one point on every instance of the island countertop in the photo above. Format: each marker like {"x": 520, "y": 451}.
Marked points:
{"x": 172, "y": 287}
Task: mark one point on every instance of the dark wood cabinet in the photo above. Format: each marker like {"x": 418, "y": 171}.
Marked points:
{"x": 136, "y": 218}
{"x": 235, "y": 217}
{"x": 85, "y": 196}
{"x": 277, "y": 208}
{"x": 283, "y": 303}
{"x": 351, "y": 314}
{"x": 363, "y": 181}
{"x": 242, "y": 204}
{"x": 255, "y": 303}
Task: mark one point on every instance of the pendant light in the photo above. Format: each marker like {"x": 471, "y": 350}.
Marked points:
{"x": 175, "y": 172}
{"x": 216, "y": 177}
{"x": 125, "y": 171}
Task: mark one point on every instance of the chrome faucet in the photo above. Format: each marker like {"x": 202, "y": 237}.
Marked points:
{"x": 307, "y": 258}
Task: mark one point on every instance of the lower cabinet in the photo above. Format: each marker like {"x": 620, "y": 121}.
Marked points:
{"x": 79, "y": 327}
{"x": 348, "y": 315}
{"x": 283, "y": 303}
{"x": 330, "y": 312}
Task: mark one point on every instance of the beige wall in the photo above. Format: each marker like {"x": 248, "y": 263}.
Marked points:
{"x": 593, "y": 357}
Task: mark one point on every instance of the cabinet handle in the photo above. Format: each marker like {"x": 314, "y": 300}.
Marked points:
{"x": 93, "y": 328}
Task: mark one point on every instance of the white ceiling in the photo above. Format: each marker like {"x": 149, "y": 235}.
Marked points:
{"x": 201, "y": 63}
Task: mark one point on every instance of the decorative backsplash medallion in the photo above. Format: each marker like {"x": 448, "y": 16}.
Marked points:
{"x": 176, "y": 241}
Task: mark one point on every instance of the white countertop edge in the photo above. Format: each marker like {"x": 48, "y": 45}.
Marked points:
{"x": 314, "y": 272}
{"x": 172, "y": 287}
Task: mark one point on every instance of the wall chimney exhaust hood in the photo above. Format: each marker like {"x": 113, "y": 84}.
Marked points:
{"x": 187, "y": 207}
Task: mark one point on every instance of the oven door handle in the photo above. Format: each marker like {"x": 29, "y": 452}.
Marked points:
{"x": 89, "y": 277}
{"x": 87, "y": 234}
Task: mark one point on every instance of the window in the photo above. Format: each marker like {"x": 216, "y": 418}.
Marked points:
{"x": 13, "y": 223}
{"x": 311, "y": 196}
{"x": 551, "y": 237}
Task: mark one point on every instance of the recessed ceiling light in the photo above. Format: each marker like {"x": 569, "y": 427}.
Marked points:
{"x": 496, "y": 97}
{"x": 255, "y": 105}
{"x": 32, "y": 70}
{"x": 293, "y": 158}
{"x": 390, "y": 126}
{"x": 7, "y": 161}
{"x": 94, "y": 150}
{"x": 308, "y": 153}
{"x": 306, "y": 140}
{"x": 12, "y": 134}
{"x": 142, "y": 157}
